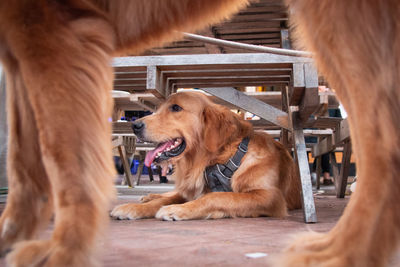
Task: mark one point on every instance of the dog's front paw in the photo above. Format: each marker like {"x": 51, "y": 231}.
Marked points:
{"x": 314, "y": 249}
{"x": 128, "y": 212}
{"x": 49, "y": 253}
{"x": 174, "y": 213}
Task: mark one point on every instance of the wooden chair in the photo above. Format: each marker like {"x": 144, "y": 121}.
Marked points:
{"x": 126, "y": 146}
{"x": 339, "y": 139}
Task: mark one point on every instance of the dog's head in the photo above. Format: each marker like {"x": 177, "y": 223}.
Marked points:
{"x": 189, "y": 122}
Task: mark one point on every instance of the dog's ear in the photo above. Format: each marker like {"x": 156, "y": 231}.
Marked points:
{"x": 221, "y": 126}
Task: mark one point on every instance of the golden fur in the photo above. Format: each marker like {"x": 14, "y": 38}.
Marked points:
{"x": 266, "y": 183}
{"x": 56, "y": 56}
{"x": 357, "y": 46}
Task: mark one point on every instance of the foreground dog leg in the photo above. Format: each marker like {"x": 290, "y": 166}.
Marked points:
{"x": 71, "y": 104}
{"x": 364, "y": 70}
{"x": 148, "y": 209}
{"x": 29, "y": 203}
{"x": 228, "y": 204}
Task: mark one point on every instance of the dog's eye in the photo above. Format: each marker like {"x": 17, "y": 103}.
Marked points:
{"x": 175, "y": 108}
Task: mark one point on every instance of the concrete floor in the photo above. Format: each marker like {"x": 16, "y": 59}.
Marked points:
{"x": 224, "y": 242}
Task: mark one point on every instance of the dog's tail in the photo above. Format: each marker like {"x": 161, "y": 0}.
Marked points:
{"x": 141, "y": 24}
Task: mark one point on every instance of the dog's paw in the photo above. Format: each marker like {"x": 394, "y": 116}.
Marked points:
{"x": 131, "y": 211}
{"x": 174, "y": 213}
{"x": 9, "y": 235}
{"x": 311, "y": 249}
{"x": 48, "y": 253}
{"x": 309, "y": 241}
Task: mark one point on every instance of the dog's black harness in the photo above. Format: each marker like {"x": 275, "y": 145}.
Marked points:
{"x": 218, "y": 177}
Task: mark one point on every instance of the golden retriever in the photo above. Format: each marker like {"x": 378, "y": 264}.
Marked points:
{"x": 194, "y": 133}
{"x": 57, "y": 58}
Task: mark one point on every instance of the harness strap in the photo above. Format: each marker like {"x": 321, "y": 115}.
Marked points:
{"x": 234, "y": 162}
{"x": 218, "y": 176}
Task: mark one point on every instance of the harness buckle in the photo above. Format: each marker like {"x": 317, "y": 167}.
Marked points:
{"x": 219, "y": 170}
{"x": 243, "y": 147}
{"x": 233, "y": 163}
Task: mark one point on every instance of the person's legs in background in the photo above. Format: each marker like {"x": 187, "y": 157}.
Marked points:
{"x": 325, "y": 165}
{"x": 163, "y": 174}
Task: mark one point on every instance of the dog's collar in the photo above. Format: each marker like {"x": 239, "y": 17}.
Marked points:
{"x": 218, "y": 177}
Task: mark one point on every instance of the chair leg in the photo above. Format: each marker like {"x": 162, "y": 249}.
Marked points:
{"x": 344, "y": 171}
{"x": 335, "y": 169}
{"x": 310, "y": 215}
{"x": 125, "y": 164}
{"x": 151, "y": 174}
{"x": 139, "y": 171}
{"x": 318, "y": 170}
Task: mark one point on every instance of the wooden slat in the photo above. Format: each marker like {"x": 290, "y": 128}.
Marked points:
{"x": 253, "y": 79}
{"x": 258, "y": 9}
{"x": 206, "y": 84}
{"x": 121, "y": 127}
{"x": 209, "y": 59}
{"x": 326, "y": 145}
{"x": 229, "y": 72}
{"x": 341, "y": 135}
{"x": 260, "y": 17}
{"x": 131, "y": 81}
{"x": 248, "y": 25}
{"x": 265, "y": 28}
{"x": 180, "y": 50}
{"x": 130, "y": 75}
{"x": 252, "y": 105}
{"x": 323, "y": 122}
{"x": 243, "y": 37}
{"x": 250, "y": 65}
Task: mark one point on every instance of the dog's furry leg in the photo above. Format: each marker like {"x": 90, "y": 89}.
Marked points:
{"x": 68, "y": 80}
{"x": 132, "y": 211}
{"x": 363, "y": 68}
{"x": 228, "y": 204}
{"x": 150, "y": 197}
{"x": 29, "y": 203}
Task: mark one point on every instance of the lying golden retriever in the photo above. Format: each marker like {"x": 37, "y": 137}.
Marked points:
{"x": 57, "y": 58}
{"x": 196, "y": 135}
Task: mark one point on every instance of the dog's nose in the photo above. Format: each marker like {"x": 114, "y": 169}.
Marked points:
{"x": 138, "y": 127}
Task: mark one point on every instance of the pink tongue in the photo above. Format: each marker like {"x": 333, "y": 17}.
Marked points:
{"x": 150, "y": 156}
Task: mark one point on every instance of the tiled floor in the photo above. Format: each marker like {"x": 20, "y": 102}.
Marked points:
{"x": 225, "y": 242}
